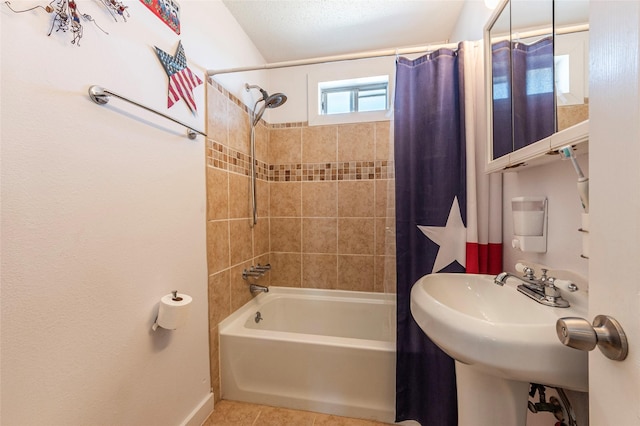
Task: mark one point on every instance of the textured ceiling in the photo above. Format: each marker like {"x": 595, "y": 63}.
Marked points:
{"x": 285, "y": 30}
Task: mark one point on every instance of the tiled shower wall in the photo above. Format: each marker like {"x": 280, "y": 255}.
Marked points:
{"x": 325, "y": 207}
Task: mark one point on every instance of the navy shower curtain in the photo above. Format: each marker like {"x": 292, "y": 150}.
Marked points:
{"x": 430, "y": 172}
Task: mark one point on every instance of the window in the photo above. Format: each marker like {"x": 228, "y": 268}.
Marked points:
{"x": 358, "y": 95}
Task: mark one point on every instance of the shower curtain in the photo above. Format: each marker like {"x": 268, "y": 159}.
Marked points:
{"x": 442, "y": 211}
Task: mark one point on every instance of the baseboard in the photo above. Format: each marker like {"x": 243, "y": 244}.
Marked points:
{"x": 200, "y": 413}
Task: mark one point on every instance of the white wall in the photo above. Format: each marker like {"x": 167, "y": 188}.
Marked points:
{"x": 470, "y": 25}
{"x": 556, "y": 181}
{"x": 103, "y": 213}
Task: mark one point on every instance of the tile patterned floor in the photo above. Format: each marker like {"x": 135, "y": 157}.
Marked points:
{"x": 234, "y": 413}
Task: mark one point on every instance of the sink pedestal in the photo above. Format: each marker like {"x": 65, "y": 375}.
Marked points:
{"x": 485, "y": 400}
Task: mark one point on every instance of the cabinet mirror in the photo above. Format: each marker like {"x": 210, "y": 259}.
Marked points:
{"x": 536, "y": 67}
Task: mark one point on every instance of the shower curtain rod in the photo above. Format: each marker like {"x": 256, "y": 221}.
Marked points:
{"x": 336, "y": 58}
{"x": 374, "y": 53}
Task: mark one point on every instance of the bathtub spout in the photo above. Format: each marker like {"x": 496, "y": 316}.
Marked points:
{"x": 256, "y": 288}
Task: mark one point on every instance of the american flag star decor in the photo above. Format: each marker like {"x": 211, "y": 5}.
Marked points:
{"x": 182, "y": 80}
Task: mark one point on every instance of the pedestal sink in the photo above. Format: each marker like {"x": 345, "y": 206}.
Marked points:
{"x": 501, "y": 341}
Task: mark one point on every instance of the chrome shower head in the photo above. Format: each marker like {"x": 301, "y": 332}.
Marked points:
{"x": 275, "y": 100}
{"x": 270, "y": 101}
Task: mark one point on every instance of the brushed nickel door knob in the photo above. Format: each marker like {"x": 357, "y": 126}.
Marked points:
{"x": 606, "y": 333}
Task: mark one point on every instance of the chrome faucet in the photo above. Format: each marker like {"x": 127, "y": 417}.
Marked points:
{"x": 256, "y": 288}
{"x": 262, "y": 268}
{"x": 251, "y": 272}
{"x": 542, "y": 290}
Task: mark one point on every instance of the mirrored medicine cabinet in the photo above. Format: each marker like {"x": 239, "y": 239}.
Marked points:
{"x": 536, "y": 80}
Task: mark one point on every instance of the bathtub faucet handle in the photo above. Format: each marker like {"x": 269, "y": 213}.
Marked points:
{"x": 263, "y": 268}
{"x": 251, "y": 272}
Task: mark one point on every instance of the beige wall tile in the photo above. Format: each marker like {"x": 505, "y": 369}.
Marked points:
{"x": 239, "y": 201}
{"x": 219, "y": 297}
{"x": 320, "y": 235}
{"x": 240, "y": 241}
{"x": 319, "y": 271}
{"x": 240, "y": 293}
{"x": 285, "y": 234}
{"x": 355, "y": 273}
{"x": 385, "y": 236}
{"x": 263, "y": 197}
{"x": 218, "y": 116}
{"x": 356, "y": 236}
{"x": 285, "y": 199}
{"x": 319, "y": 144}
{"x": 319, "y": 199}
{"x": 286, "y": 269}
{"x": 356, "y": 199}
{"x": 217, "y": 246}
{"x": 382, "y": 138}
{"x": 285, "y": 146}
{"x": 356, "y": 142}
{"x": 217, "y": 194}
{"x": 262, "y": 142}
{"x": 261, "y": 237}
{"x": 239, "y": 130}
{"x": 384, "y": 197}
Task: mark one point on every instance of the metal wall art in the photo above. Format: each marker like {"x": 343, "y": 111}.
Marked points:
{"x": 182, "y": 80}
{"x": 66, "y": 16}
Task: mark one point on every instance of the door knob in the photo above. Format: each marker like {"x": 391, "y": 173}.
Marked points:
{"x": 606, "y": 333}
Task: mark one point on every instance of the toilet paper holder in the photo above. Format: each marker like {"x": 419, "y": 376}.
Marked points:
{"x": 172, "y": 312}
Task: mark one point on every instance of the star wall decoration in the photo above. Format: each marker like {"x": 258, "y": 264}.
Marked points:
{"x": 182, "y": 80}
{"x": 452, "y": 239}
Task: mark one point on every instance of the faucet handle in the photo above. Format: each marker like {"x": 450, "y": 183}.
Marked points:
{"x": 527, "y": 271}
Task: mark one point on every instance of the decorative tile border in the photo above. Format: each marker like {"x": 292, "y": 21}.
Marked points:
{"x": 225, "y": 158}
{"x": 222, "y": 157}
{"x": 350, "y": 170}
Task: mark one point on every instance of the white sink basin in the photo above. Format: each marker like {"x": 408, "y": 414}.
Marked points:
{"x": 498, "y": 330}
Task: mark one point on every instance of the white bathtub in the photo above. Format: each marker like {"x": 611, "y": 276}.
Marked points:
{"x": 328, "y": 351}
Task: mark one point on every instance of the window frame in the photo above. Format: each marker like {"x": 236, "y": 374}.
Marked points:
{"x": 361, "y": 69}
{"x": 354, "y": 95}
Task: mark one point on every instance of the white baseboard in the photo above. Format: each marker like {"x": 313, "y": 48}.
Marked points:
{"x": 200, "y": 413}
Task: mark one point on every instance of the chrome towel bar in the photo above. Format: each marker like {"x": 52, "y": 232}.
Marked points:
{"x": 101, "y": 95}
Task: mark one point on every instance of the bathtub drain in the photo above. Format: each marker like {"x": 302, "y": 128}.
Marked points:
{"x": 258, "y": 317}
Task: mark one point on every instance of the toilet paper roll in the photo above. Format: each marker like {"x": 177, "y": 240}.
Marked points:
{"x": 174, "y": 311}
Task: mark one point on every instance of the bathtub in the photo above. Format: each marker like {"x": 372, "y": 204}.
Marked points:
{"x": 328, "y": 351}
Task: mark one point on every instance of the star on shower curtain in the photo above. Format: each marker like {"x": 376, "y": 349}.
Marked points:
{"x": 441, "y": 214}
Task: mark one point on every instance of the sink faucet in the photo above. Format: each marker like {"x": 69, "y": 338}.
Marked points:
{"x": 542, "y": 290}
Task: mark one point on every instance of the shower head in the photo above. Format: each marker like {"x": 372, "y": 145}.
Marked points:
{"x": 275, "y": 100}
{"x": 270, "y": 101}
